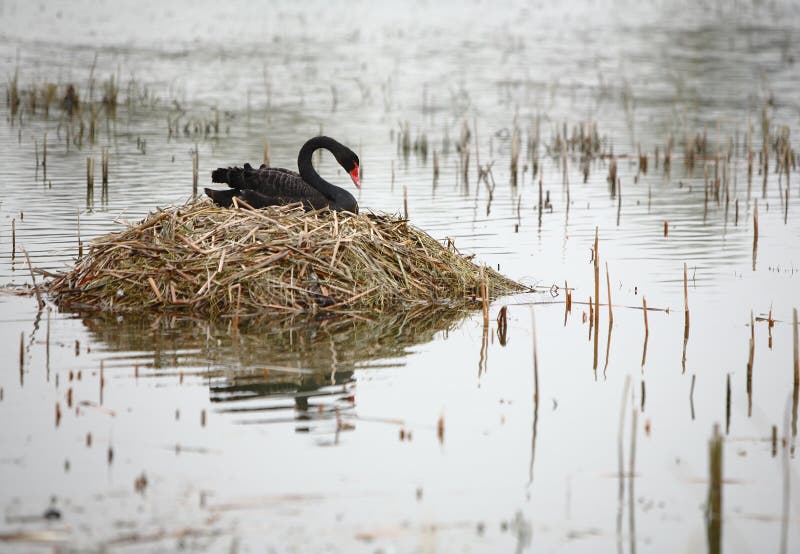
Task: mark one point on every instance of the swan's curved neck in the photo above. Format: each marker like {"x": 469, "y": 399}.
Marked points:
{"x": 307, "y": 171}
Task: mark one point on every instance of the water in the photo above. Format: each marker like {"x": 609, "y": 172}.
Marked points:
{"x": 306, "y": 437}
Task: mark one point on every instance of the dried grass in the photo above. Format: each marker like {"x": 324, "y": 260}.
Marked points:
{"x": 199, "y": 258}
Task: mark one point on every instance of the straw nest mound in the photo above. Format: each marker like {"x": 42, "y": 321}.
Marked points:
{"x": 216, "y": 261}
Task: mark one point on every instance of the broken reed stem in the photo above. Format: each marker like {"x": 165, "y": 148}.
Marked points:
{"x": 104, "y": 165}
{"x": 750, "y": 357}
{"x": 610, "y": 311}
{"x": 266, "y": 152}
{"x": 33, "y": 281}
{"x": 80, "y": 243}
{"x": 89, "y": 174}
{"x": 13, "y": 239}
{"x": 755, "y": 223}
{"x": 755, "y": 232}
{"x": 644, "y": 310}
{"x": 796, "y": 351}
{"x": 685, "y": 303}
{"x": 405, "y": 202}
{"x": 596, "y": 279}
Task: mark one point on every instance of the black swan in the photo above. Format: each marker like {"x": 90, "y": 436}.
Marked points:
{"x": 270, "y": 186}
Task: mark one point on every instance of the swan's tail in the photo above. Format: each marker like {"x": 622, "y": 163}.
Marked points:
{"x": 232, "y": 176}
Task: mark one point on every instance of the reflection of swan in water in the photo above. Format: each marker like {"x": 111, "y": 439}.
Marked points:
{"x": 302, "y": 370}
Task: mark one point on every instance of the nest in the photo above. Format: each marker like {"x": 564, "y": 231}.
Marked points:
{"x": 200, "y": 258}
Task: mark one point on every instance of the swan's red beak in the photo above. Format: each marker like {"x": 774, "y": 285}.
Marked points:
{"x": 354, "y": 177}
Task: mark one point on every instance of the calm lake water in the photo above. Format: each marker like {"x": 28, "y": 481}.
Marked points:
{"x": 294, "y": 436}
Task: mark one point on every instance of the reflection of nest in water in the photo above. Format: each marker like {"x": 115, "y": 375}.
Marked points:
{"x": 292, "y": 355}
{"x": 200, "y": 258}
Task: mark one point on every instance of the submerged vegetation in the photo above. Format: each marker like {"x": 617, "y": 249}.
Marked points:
{"x": 216, "y": 261}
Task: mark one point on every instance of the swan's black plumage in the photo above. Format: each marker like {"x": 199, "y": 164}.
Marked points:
{"x": 269, "y": 186}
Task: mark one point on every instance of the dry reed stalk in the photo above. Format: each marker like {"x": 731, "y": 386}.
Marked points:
{"x": 666, "y": 228}
{"x": 569, "y": 297}
{"x": 796, "y": 350}
{"x": 195, "y": 169}
{"x": 266, "y": 152}
{"x": 39, "y": 299}
{"x": 89, "y": 175}
{"x": 750, "y": 357}
{"x": 596, "y": 278}
{"x": 484, "y": 298}
{"x": 755, "y": 232}
{"x": 610, "y": 311}
{"x": 727, "y": 403}
{"x": 80, "y": 243}
{"x": 104, "y": 165}
{"x": 13, "y": 239}
{"x": 644, "y": 310}
{"x": 685, "y": 304}
{"x": 535, "y": 391}
{"x": 755, "y": 223}
{"x": 405, "y": 202}
{"x": 502, "y": 326}
{"x": 774, "y": 440}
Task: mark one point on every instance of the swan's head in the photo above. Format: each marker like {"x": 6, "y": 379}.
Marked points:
{"x": 349, "y": 161}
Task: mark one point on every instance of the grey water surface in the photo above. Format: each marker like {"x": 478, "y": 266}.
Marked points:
{"x": 417, "y": 432}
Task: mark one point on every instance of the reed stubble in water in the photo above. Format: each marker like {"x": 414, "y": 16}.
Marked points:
{"x": 195, "y": 169}
{"x": 714, "y": 500}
